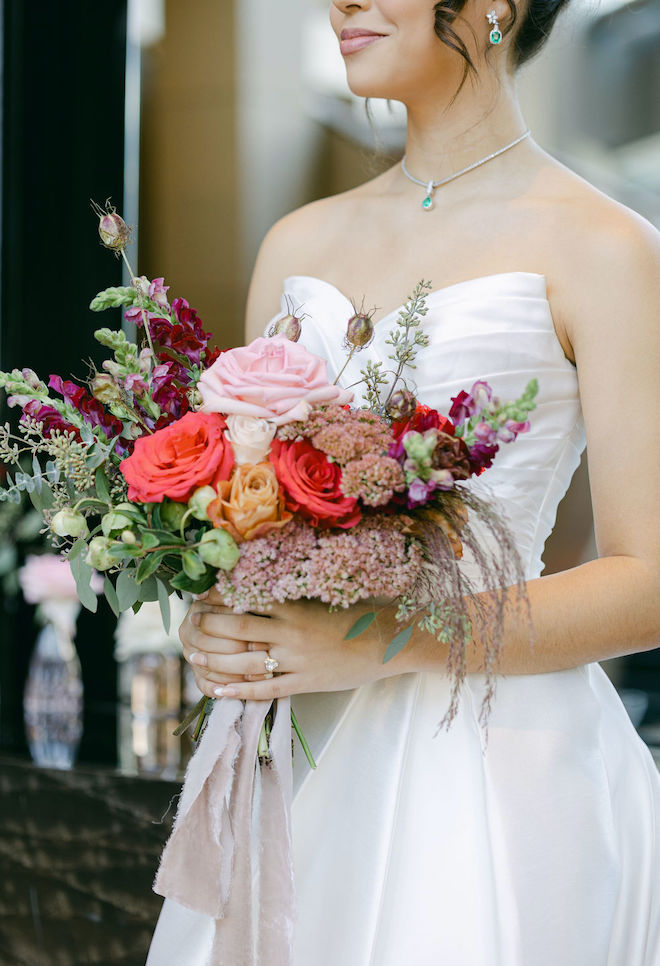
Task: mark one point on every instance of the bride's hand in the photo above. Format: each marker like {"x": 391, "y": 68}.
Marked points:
{"x": 227, "y": 651}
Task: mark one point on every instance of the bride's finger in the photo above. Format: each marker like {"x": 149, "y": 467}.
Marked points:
{"x": 242, "y": 664}
{"x": 197, "y": 650}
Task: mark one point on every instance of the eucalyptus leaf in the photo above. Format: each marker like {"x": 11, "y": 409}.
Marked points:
{"x": 360, "y": 625}
{"x": 79, "y": 545}
{"x": 164, "y": 602}
{"x": 36, "y": 474}
{"x": 111, "y": 596}
{"x": 148, "y": 590}
{"x": 52, "y": 472}
{"x": 82, "y": 574}
{"x": 127, "y": 589}
{"x": 102, "y": 487}
{"x": 398, "y": 643}
{"x": 35, "y": 497}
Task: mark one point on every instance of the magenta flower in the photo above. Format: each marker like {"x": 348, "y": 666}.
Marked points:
{"x": 484, "y": 433}
{"x": 92, "y": 411}
{"x": 420, "y": 493}
{"x": 158, "y": 293}
{"x": 481, "y": 456}
{"x": 51, "y": 419}
{"x": 462, "y": 408}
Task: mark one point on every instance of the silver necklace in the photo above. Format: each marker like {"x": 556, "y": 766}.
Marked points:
{"x": 430, "y": 186}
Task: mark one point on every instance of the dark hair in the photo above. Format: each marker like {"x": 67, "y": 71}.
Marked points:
{"x": 530, "y": 37}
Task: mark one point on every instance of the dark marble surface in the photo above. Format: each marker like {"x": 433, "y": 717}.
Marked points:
{"x": 78, "y": 854}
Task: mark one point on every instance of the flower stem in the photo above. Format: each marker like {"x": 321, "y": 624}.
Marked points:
{"x": 145, "y": 320}
{"x": 302, "y": 740}
{"x": 341, "y": 371}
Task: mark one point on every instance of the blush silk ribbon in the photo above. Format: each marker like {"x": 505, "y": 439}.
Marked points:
{"x": 233, "y": 829}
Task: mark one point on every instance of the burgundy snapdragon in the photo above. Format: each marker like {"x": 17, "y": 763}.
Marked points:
{"x": 52, "y": 421}
{"x": 92, "y": 411}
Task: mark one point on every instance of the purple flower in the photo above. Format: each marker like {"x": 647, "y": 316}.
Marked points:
{"x": 484, "y": 433}
{"x": 92, "y": 411}
{"x": 467, "y": 405}
{"x": 51, "y": 419}
{"x": 419, "y": 492}
{"x": 462, "y": 408}
{"x": 158, "y": 293}
{"x": 135, "y": 383}
{"x": 481, "y": 394}
{"x": 481, "y": 456}
{"x": 510, "y": 430}
{"x": 134, "y": 314}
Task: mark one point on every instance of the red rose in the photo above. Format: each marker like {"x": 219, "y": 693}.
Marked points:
{"x": 311, "y": 485}
{"x": 422, "y": 419}
{"x": 176, "y": 460}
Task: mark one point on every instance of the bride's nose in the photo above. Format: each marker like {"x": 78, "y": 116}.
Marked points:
{"x": 351, "y": 6}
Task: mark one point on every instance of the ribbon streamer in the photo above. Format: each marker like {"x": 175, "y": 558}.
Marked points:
{"x": 233, "y": 829}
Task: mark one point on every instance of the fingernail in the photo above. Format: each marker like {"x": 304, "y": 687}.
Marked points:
{"x": 203, "y": 595}
{"x": 195, "y": 619}
{"x": 199, "y": 659}
{"x": 226, "y": 692}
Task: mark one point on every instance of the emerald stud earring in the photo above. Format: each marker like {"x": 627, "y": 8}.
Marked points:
{"x": 495, "y": 33}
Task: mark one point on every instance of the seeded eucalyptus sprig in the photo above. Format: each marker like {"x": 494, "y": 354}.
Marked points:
{"x": 408, "y": 338}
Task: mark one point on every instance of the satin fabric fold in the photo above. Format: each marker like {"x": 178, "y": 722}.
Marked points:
{"x": 231, "y": 831}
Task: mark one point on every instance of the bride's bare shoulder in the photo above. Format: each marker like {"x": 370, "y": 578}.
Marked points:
{"x": 295, "y": 244}
{"x": 598, "y": 251}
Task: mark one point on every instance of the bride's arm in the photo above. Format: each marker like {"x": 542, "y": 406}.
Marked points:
{"x": 601, "y": 609}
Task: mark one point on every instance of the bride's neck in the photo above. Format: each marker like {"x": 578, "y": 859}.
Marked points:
{"x": 441, "y": 141}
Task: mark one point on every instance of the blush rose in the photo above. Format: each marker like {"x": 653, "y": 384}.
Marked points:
{"x": 177, "y": 460}
{"x": 312, "y": 485}
{"x": 270, "y": 378}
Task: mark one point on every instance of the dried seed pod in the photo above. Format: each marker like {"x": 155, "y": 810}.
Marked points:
{"x": 360, "y": 330}
{"x": 288, "y": 325}
{"x": 402, "y": 405}
{"x": 113, "y": 230}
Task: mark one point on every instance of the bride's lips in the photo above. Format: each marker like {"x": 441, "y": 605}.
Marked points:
{"x": 355, "y": 39}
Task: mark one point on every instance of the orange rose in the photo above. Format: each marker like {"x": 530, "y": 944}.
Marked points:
{"x": 250, "y": 504}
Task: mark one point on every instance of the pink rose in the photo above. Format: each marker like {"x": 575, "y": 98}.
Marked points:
{"x": 270, "y": 378}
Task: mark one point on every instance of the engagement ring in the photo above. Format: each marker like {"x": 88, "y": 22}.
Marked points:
{"x": 270, "y": 663}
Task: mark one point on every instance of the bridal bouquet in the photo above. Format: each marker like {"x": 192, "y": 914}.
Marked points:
{"x": 178, "y": 467}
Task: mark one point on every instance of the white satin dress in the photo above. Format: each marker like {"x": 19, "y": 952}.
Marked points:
{"x": 413, "y": 848}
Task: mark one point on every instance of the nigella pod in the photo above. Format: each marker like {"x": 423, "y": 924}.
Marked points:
{"x": 288, "y": 325}
{"x": 113, "y": 230}
{"x": 360, "y": 330}
{"x": 402, "y": 405}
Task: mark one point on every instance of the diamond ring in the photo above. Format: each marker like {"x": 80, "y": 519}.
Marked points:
{"x": 270, "y": 663}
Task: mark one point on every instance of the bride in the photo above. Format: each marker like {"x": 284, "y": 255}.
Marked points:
{"x": 537, "y": 848}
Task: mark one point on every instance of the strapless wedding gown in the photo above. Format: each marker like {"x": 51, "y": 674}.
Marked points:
{"x": 413, "y": 848}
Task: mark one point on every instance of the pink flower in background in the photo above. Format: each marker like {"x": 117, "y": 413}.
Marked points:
{"x": 48, "y": 577}
{"x": 271, "y": 378}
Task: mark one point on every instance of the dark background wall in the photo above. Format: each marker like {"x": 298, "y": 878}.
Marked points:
{"x": 62, "y": 144}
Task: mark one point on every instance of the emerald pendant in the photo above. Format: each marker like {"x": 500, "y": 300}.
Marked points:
{"x": 495, "y": 36}
{"x": 427, "y": 204}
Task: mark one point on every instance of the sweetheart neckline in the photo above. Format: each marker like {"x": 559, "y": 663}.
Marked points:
{"x": 434, "y": 292}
